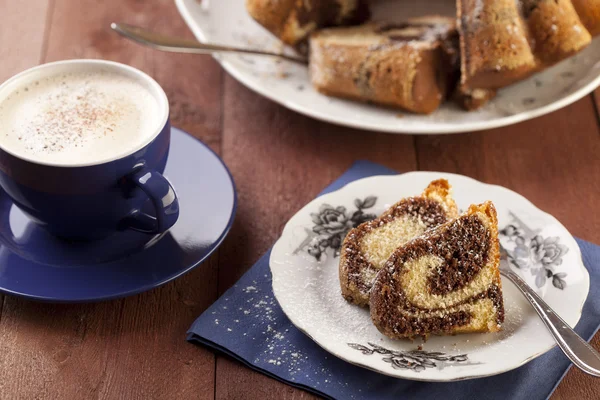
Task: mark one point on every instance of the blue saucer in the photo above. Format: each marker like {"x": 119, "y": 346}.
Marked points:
{"x": 37, "y": 265}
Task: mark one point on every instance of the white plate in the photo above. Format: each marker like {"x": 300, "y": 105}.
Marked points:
{"x": 226, "y": 22}
{"x": 309, "y": 293}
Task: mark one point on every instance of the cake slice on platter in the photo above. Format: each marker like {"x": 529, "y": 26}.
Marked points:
{"x": 367, "y": 247}
{"x": 293, "y": 20}
{"x": 411, "y": 65}
{"x": 589, "y": 13}
{"x": 444, "y": 282}
{"x": 505, "y": 41}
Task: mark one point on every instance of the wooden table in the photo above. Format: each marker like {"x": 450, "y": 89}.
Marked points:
{"x": 135, "y": 348}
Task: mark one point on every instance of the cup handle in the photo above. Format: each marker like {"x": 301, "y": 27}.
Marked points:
{"x": 163, "y": 197}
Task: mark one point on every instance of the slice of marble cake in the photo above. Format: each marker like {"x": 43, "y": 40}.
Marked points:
{"x": 367, "y": 247}
{"x": 444, "y": 282}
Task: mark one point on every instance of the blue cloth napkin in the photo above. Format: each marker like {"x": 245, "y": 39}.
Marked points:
{"x": 247, "y": 324}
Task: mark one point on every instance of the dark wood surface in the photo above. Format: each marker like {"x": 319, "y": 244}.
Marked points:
{"x": 134, "y": 348}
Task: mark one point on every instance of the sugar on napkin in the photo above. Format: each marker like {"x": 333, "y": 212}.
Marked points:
{"x": 247, "y": 324}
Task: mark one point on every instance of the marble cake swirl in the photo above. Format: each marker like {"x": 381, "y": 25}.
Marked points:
{"x": 367, "y": 247}
{"x": 446, "y": 281}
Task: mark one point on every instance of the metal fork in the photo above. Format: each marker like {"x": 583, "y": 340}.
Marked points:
{"x": 172, "y": 44}
{"x": 575, "y": 348}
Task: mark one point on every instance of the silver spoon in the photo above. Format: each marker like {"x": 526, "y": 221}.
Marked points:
{"x": 178, "y": 45}
{"x": 575, "y": 348}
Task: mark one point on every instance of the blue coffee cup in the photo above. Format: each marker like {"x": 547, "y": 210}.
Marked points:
{"x": 93, "y": 200}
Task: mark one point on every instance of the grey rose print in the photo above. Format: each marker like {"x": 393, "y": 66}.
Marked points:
{"x": 416, "y": 360}
{"x": 536, "y": 254}
{"x": 331, "y": 224}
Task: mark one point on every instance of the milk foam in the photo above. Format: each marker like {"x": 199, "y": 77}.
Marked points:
{"x": 80, "y": 117}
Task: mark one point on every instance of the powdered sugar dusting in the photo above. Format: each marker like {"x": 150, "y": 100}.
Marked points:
{"x": 259, "y": 321}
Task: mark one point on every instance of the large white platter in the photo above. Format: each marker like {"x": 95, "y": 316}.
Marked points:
{"x": 226, "y": 22}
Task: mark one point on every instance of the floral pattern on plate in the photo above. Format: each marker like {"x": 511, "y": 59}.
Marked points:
{"x": 332, "y": 224}
{"x": 416, "y": 360}
{"x": 533, "y": 253}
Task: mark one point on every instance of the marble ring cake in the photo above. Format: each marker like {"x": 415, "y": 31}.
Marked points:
{"x": 444, "y": 282}
{"x": 501, "y": 43}
{"x": 367, "y": 247}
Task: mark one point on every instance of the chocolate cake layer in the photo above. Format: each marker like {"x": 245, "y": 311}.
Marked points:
{"x": 330, "y": 12}
{"x": 462, "y": 258}
{"x": 421, "y": 324}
